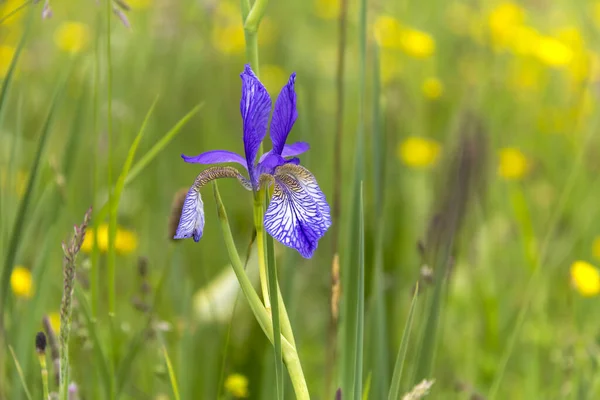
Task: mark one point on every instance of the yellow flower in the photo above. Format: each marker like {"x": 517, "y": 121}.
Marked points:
{"x": 419, "y": 152}
{"x": 502, "y": 21}
{"x": 327, "y": 9}
{"x": 228, "y": 32}
{"x": 237, "y": 385}
{"x": 513, "y": 164}
{"x": 18, "y": 183}
{"x": 21, "y": 282}
{"x": 54, "y": 318}
{"x": 553, "y": 52}
{"x": 432, "y": 88}
{"x": 523, "y": 40}
{"x": 387, "y": 31}
{"x": 273, "y": 77}
{"x": 6, "y": 56}
{"x": 72, "y": 37}
{"x": 125, "y": 241}
{"x": 417, "y": 43}
{"x": 585, "y": 278}
{"x": 139, "y": 4}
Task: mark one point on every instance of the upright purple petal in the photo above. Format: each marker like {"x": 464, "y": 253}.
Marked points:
{"x": 298, "y": 214}
{"x": 284, "y": 115}
{"x": 255, "y": 108}
{"x": 215, "y": 157}
{"x": 191, "y": 223}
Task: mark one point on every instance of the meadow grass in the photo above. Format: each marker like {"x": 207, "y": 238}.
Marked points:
{"x": 456, "y": 142}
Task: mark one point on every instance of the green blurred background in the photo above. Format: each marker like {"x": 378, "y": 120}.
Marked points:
{"x": 519, "y": 311}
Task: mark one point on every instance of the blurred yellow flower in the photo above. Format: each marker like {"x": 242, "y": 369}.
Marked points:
{"x": 54, "y": 318}
{"x": 125, "y": 241}
{"x": 389, "y": 65}
{"x": 273, "y": 77}
{"x": 432, "y": 88}
{"x": 21, "y": 282}
{"x": 503, "y": 20}
{"x": 327, "y": 9}
{"x": 6, "y": 56}
{"x": 513, "y": 164}
{"x": 72, "y": 37}
{"x": 585, "y": 278}
{"x": 523, "y": 40}
{"x": 417, "y": 43}
{"x": 553, "y": 52}
{"x": 237, "y": 385}
{"x": 228, "y": 33}
{"x": 387, "y": 31}
{"x": 139, "y": 4}
{"x": 419, "y": 152}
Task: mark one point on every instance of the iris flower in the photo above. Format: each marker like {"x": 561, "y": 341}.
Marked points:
{"x": 298, "y": 214}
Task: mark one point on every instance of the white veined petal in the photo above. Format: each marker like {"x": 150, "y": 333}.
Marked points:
{"x": 298, "y": 214}
{"x": 191, "y": 223}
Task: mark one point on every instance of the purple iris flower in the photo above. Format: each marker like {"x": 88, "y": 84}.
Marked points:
{"x": 298, "y": 214}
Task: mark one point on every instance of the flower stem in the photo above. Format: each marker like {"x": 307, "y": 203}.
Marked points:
{"x": 260, "y": 244}
{"x": 290, "y": 353}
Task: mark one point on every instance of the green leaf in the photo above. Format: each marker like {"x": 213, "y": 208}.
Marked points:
{"x": 394, "y": 393}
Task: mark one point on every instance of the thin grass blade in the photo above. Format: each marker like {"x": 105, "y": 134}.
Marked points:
{"x": 394, "y": 392}
{"x": 20, "y": 372}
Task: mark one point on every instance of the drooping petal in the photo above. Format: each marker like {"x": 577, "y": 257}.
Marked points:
{"x": 215, "y": 157}
{"x": 191, "y": 223}
{"x": 255, "y": 107}
{"x": 298, "y": 214}
{"x": 284, "y": 115}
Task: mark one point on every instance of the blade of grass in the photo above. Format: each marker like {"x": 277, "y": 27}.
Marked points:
{"x": 380, "y": 358}
{"x": 352, "y": 314}
{"x": 358, "y": 372}
{"x": 114, "y": 206}
{"x": 161, "y": 144}
{"x": 147, "y": 158}
{"x": 172, "y": 377}
{"x": 20, "y": 372}
{"x": 274, "y": 295}
{"x": 394, "y": 392}
{"x": 24, "y": 205}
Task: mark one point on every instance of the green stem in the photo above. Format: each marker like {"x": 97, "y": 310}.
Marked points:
{"x": 290, "y": 354}
{"x": 260, "y": 244}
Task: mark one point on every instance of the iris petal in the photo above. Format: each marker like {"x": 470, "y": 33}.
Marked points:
{"x": 255, "y": 107}
{"x": 191, "y": 223}
{"x": 298, "y": 214}
{"x": 284, "y": 115}
{"x": 215, "y": 157}
{"x": 289, "y": 150}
